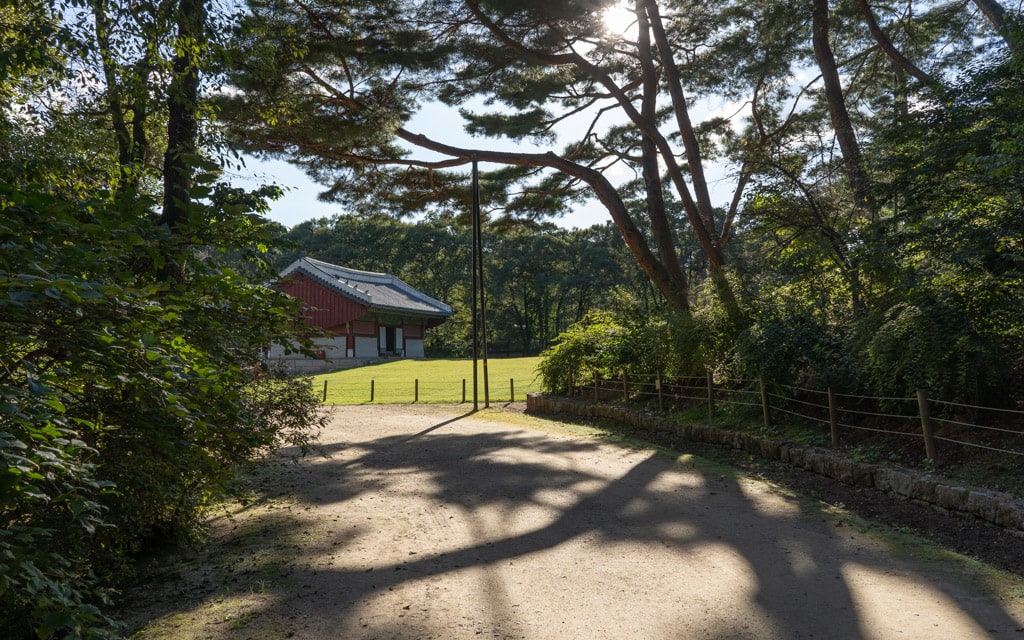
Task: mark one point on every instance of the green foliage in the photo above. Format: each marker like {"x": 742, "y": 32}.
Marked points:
{"x": 929, "y": 344}
{"x": 794, "y": 337}
{"x": 954, "y": 326}
{"x": 130, "y": 390}
{"x": 627, "y": 339}
{"x": 125, "y": 404}
{"x": 48, "y": 490}
{"x": 588, "y": 348}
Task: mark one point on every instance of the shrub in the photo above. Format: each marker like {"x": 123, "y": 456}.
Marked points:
{"x": 126, "y": 402}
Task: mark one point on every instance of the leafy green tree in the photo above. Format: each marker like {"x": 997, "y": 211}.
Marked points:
{"x": 954, "y": 324}
{"x": 546, "y": 65}
{"x": 538, "y": 68}
{"x": 818, "y": 87}
{"x": 130, "y": 387}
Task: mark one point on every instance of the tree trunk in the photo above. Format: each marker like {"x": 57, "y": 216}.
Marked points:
{"x": 890, "y": 49}
{"x": 996, "y": 15}
{"x": 841, "y": 123}
{"x": 182, "y": 129}
{"x": 703, "y": 223}
{"x": 664, "y": 238}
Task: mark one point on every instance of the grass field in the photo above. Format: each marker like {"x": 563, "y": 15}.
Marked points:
{"x": 439, "y": 381}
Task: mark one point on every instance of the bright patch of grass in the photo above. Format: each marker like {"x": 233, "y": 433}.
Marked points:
{"x": 439, "y": 381}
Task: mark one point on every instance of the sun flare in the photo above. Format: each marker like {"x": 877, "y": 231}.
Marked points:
{"x": 619, "y": 20}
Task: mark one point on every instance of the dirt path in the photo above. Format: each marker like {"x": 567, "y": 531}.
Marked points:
{"x": 423, "y": 522}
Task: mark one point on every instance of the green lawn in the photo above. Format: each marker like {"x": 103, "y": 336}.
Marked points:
{"x": 439, "y": 381}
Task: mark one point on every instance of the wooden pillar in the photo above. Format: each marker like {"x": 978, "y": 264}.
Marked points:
{"x": 926, "y": 425}
{"x": 833, "y": 420}
{"x": 764, "y": 406}
{"x": 711, "y": 393}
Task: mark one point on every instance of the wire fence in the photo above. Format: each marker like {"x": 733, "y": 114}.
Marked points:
{"x": 942, "y": 430}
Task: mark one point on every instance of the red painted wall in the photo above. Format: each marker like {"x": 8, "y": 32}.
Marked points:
{"x": 365, "y": 329}
{"x": 412, "y": 331}
{"x": 329, "y": 309}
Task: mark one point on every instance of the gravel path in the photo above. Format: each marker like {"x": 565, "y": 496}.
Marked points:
{"x": 424, "y": 522}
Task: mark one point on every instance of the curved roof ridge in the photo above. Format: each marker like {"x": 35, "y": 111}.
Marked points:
{"x": 379, "y": 290}
{"x": 358, "y": 274}
{"x": 317, "y": 270}
{"x": 413, "y": 291}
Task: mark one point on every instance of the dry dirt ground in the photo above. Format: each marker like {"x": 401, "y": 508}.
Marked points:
{"x": 427, "y": 522}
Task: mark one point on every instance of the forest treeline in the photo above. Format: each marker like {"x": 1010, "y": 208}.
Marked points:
{"x": 540, "y": 279}
{"x": 869, "y": 238}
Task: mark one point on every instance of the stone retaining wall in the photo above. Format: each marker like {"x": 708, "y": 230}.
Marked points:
{"x": 999, "y": 508}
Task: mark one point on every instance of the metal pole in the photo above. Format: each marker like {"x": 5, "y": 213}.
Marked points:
{"x": 371, "y": 389}
{"x": 325, "y": 391}
{"x": 416, "y": 396}
{"x": 475, "y": 216}
{"x": 480, "y": 276}
{"x": 511, "y": 389}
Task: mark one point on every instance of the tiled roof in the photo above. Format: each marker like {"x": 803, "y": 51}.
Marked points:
{"x": 379, "y": 291}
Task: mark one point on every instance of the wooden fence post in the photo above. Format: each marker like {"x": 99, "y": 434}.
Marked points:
{"x": 416, "y": 393}
{"x": 325, "y": 391}
{"x": 512, "y": 390}
{"x": 372, "y": 381}
{"x": 926, "y": 425}
{"x": 711, "y": 393}
{"x": 833, "y": 420}
{"x": 764, "y": 405}
{"x": 463, "y": 391}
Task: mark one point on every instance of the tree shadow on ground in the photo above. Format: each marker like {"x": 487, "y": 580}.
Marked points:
{"x": 374, "y": 517}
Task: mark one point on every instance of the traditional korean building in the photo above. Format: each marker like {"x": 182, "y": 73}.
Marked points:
{"x": 366, "y": 315}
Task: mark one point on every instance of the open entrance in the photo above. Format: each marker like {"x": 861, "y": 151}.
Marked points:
{"x": 390, "y": 341}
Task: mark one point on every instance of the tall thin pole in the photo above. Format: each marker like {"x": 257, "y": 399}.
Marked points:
{"x": 475, "y": 215}
{"x": 483, "y": 299}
